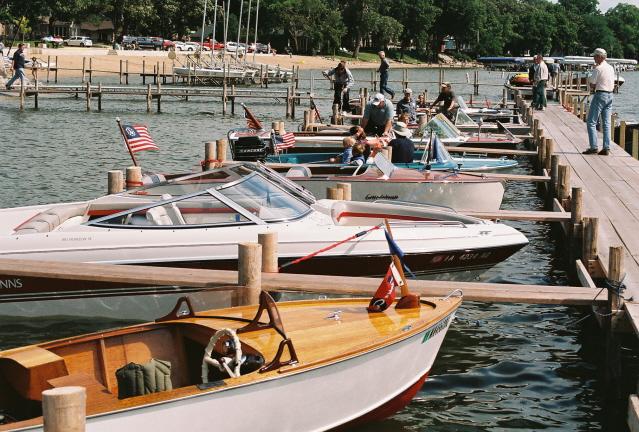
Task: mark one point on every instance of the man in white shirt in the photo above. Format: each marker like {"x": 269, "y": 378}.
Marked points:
{"x": 602, "y": 82}
{"x": 539, "y": 83}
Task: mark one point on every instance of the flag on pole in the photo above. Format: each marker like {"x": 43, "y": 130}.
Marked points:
{"x": 251, "y": 121}
{"x": 282, "y": 142}
{"x": 385, "y": 294}
{"x": 137, "y": 138}
{"x": 394, "y": 249}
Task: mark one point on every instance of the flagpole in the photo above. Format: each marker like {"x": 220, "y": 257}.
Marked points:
{"x": 126, "y": 143}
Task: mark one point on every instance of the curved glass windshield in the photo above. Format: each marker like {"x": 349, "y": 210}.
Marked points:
{"x": 264, "y": 199}
{"x": 442, "y": 127}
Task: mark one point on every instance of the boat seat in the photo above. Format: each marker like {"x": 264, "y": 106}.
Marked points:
{"x": 158, "y": 216}
{"x": 299, "y": 171}
{"x": 96, "y": 392}
{"x": 50, "y": 219}
{"x": 173, "y": 211}
{"x": 28, "y": 370}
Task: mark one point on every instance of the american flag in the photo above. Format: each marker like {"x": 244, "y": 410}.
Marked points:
{"x": 137, "y": 138}
{"x": 251, "y": 121}
{"x": 282, "y": 142}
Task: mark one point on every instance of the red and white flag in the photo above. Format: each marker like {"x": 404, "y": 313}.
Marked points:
{"x": 251, "y": 121}
{"x": 137, "y": 138}
{"x": 385, "y": 294}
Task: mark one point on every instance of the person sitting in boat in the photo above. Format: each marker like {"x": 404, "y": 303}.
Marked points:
{"x": 402, "y": 145}
{"x": 404, "y": 118}
{"x": 358, "y": 155}
{"x": 447, "y": 97}
{"x": 378, "y": 116}
{"x": 407, "y": 105}
{"x": 421, "y": 102}
{"x": 347, "y": 154}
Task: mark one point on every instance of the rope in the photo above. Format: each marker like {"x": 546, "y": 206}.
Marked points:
{"x": 329, "y": 247}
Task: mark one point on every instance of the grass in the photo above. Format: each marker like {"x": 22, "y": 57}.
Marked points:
{"x": 373, "y": 57}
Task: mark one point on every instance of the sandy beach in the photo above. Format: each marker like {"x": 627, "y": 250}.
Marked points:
{"x": 102, "y": 61}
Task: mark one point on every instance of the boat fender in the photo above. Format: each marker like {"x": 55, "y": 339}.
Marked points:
{"x": 229, "y": 364}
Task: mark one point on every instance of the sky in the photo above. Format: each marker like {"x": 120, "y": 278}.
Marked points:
{"x": 604, "y": 5}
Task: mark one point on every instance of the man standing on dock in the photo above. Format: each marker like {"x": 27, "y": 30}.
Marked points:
{"x": 540, "y": 79}
{"x": 602, "y": 82}
{"x": 383, "y": 75}
{"x": 18, "y": 67}
{"x": 342, "y": 82}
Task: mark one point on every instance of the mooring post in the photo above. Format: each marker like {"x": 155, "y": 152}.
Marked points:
{"x": 635, "y": 143}
{"x": 115, "y": 182}
{"x": 35, "y": 95}
{"x": 575, "y": 230}
{"x": 551, "y": 190}
{"x": 84, "y": 63}
{"x": 121, "y": 69}
{"x": 541, "y": 154}
{"x": 288, "y": 102}
{"x": 99, "y": 96}
{"x": 126, "y": 76}
{"x": 143, "y": 72}
{"x": 615, "y": 277}
{"x": 48, "y": 67}
{"x": 249, "y": 273}
{"x": 148, "y": 98}
{"x": 622, "y": 134}
{"x": 614, "y": 314}
{"x": 64, "y": 409}
{"x": 22, "y": 95}
{"x": 210, "y": 155}
{"x": 294, "y": 101}
{"x": 159, "y": 95}
{"x": 133, "y": 177}
{"x": 550, "y": 149}
{"x": 589, "y": 248}
{"x": 268, "y": 240}
{"x": 88, "y": 96}
{"x": 334, "y": 193}
{"x": 221, "y": 146}
{"x": 563, "y": 184}
{"x": 346, "y": 190}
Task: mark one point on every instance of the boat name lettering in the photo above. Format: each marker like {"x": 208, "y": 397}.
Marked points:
{"x": 10, "y": 283}
{"x": 76, "y": 238}
{"x": 381, "y": 197}
{"x": 436, "y": 329}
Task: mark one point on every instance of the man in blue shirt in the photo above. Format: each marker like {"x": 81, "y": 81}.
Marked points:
{"x": 378, "y": 116}
{"x": 407, "y": 105}
{"x": 18, "y": 67}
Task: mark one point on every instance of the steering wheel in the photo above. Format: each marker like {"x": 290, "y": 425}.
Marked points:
{"x": 229, "y": 364}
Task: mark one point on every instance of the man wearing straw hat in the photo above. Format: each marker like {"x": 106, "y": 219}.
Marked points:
{"x": 602, "y": 82}
{"x": 402, "y": 145}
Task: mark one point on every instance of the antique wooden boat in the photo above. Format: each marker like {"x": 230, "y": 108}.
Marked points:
{"x": 301, "y": 366}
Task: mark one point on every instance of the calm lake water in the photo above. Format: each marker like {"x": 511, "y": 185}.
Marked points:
{"x": 501, "y": 368}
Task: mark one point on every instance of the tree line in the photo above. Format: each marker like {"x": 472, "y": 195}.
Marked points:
{"x": 415, "y": 27}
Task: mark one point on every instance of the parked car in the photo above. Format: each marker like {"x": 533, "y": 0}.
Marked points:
{"x": 261, "y": 48}
{"x": 54, "y": 40}
{"x": 180, "y": 46}
{"x": 216, "y": 45}
{"x": 147, "y": 42}
{"x": 233, "y": 47}
{"x": 167, "y": 45}
{"x": 195, "y": 46}
{"x": 81, "y": 41}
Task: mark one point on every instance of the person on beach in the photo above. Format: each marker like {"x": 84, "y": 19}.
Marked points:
{"x": 602, "y": 83}
{"x": 378, "y": 116}
{"x": 383, "y": 75}
{"x": 407, "y": 105}
{"x": 18, "y": 67}
{"x": 402, "y": 145}
{"x": 447, "y": 97}
{"x": 540, "y": 78}
{"x": 343, "y": 81}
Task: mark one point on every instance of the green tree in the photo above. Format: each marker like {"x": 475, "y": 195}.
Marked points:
{"x": 623, "y": 20}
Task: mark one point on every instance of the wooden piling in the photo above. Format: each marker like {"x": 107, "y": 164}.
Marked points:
{"x": 221, "y": 146}
{"x": 133, "y": 177}
{"x": 268, "y": 240}
{"x": 563, "y": 183}
{"x": 346, "y": 190}
{"x": 115, "y": 182}
{"x": 148, "y": 98}
{"x": 590, "y": 233}
{"x": 288, "y": 102}
{"x": 55, "y": 75}
{"x": 126, "y": 77}
{"x": 35, "y": 95}
{"x": 334, "y": 193}
{"x": 551, "y": 190}
{"x": 159, "y": 96}
{"x": 121, "y": 70}
{"x": 84, "y": 62}
{"x": 635, "y": 143}
{"x": 64, "y": 409}
{"x": 88, "y": 96}
{"x": 249, "y": 273}
{"x": 615, "y": 277}
{"x": 99, "y": 96}
{"x": 622, "y": 134}
{"x": 22, "y": 94}
{"x": 550, "y": 149}
{"x": 210, "y": 155}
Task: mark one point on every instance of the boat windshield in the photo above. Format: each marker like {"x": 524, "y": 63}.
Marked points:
{"x": 443, "y": 127}
{"x": 462, "y": 119}
{"x": 265, "y": 199}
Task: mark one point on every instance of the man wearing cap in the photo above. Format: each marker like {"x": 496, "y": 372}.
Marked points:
{"x": 407, "y": 105}
{"x": 378, "y": 116}
{"x": 383, "y": 75}
{"x": 540, "y": 77}
{"x": 447, "y": 96}
{"x": 402, "y": 145}
{"x": 602, "y": 82}
{"x": 343, "y": 81}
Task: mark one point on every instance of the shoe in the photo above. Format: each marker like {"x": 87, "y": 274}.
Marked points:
{"x": 604, "y": 152}
{"x": 7, "y": 87}
{"x": 590, "y": 151}
{"x": 542, "y": 109}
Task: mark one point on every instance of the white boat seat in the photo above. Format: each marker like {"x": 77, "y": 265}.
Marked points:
{"x": 158, "y": 216}
{"x": 173, "y": 211}
{"x": 299, "y": 171}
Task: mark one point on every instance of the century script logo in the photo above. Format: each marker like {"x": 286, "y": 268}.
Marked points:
{"x": 381, "y": 197}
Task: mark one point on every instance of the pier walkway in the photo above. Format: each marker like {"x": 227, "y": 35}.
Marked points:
{"x": 610, "y": 188}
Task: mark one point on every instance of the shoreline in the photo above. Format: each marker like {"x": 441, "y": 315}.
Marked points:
{"x": 102, "y": 61}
